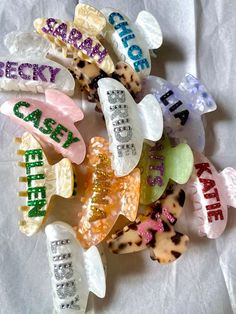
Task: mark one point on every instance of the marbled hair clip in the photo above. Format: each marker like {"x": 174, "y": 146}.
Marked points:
{"x": 212, "y": 193}
{"x": 51, "y": 121}
{"x": 128, "y": 123}
{"x": 27, "y": 69}
{"x": 106, "y": 196}
{"x": 159, "y": 164}
{"x": 155, "y": 230}
{"x": 88, "y": 74}
{"x": 182, "y": 107}
{"x": 42, "y": 182}
{"x": 78, "y": 38}
{"x": 131, "y": 42}
{"x": 74, "y": 271}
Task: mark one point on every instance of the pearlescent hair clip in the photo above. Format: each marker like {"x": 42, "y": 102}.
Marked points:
{"x": 78, "y": 38}
{"x": 155, "y": 230}
{"x": 131, "y": 42}
{"x": 106, "y": 196}
{"x": 182, "y": 107}
{"x": 52, "y": 121}
{"x": 159, "y": 164}
{"x": 88, "y": 74}
{"x": 212, "y": 193}
{"x": 74, "y": 271}
{"x": 128, "y": 123}
{"x": 42, "y": 182}
{"x": 27, "y": 69}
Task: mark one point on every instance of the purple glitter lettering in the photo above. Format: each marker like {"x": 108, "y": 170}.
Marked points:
{"x": 50, "y": 23}
{"x": 86, "y": 45}
{"x": 11, "y": 70}
{"x": 2, "y": 64}
{"x": 74, "y": 37}
{"x": 96, "y": 51}
{"x": 60, "y": 31}
{"x": 53, "y": 72}
{"x": 21, "y": 71}
{"x": 38, "y": 72}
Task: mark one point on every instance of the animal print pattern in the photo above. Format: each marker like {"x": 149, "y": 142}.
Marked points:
{"x": 88, "y": 74}
{"x": 165, "y": 244}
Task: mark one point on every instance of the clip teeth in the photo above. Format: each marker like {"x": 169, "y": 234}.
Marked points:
{"x": 24, "y": 208}
{"x": 22, "y": 223}
{"x": 23, "y": 194}
{"x": 18, "y": 140}
{"x": 23, "y": 179}
{"x": 21, "y": 164}
{"x": 20, "y": 152}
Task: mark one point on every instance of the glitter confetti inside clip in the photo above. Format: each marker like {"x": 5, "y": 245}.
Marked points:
{"x": 131, "y": 42}
{"x": 42, "y": 182}
{"x": 52, "y": 121}
{"x": 155, "y": 230}
{"x": 106, "y": 196}
{"x": 182, "y": 107}
{"x": 128, "y": 123}
{"x": 27, "y": 69}
{"x": 74, "y": 271}
{"x": 78, "y": 38}
{"x": 212, "y": 193}
{"x": 159, "y": 164}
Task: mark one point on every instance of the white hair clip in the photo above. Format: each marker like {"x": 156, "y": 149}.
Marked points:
{"x": 128, "y": 123}
{"x": 26, "y": 68}
{"x": 74, "y": 271}
{"x": 132, "y": 42}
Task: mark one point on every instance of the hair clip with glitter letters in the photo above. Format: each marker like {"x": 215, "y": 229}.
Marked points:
{"x": 52, "y": 121}
{"x": 74, "y": 271}
{"x": 42, "y": 182}
{"x": 78, "y": 38}
{"x": 159, "y": 164}
{"x": 212, "y": 193}
{"x": 182, "y": 107}
{"x": 155, "y": 230}
{"x": 131, "y": 42}
{"x": 27, "y": 69}
{"x": 106, "y": 196}
{"x": 128, "y": 123}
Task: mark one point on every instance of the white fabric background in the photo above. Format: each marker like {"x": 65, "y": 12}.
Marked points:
{"x": 200, "y": 38}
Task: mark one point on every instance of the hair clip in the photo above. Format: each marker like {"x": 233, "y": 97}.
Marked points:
{"x": 159, "y": 164}
{"x": 106, "y": 196}
{"x": 78, "y": 38}
{"x": 155, "y": 230}
{"x": 27, "y": 69}
{"x": 131, "y": 41}
{"x": 74, "y": 271}
{"x": 88, "y": 74}
{"x": 42, "y": 181}
{"x": 52, "y": 121}
{"x": 182, "y": 107}
{"x": 212, "y": 193}
{"x": 128, "y": 123}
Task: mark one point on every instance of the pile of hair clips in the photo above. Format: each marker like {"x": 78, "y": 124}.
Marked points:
{"x": 151, "y": 160}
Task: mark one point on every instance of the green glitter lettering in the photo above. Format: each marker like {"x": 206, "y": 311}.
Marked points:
{"x": 36, "y": 210}
{"x": 48, "y": 126}
{"x": 30, "y": 165}
{"x": 34, "y": 177}
{"x": 34, "y": 117}
{"x": 33, "y": 153}
{"x": 17, "y": 106}
{"x": 57, "y": 132}
{"x": 70, "y": 140}
{"x": 35, "y": 191}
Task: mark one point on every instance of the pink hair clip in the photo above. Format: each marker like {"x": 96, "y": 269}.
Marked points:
{"x": 51, "y": 121}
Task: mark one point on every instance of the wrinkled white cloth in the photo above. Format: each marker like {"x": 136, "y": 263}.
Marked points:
{"x": 199, "y": 38}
